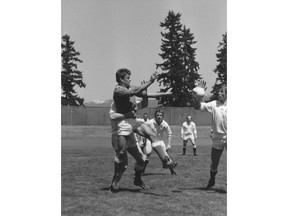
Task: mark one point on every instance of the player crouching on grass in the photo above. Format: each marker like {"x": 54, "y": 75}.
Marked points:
{"x": 218, "y": 111}
{"x": 159, "y": 126}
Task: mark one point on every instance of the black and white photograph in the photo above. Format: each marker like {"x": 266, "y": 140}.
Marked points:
{"x": 144, "y": 107}
{"x": 129, "y": 115}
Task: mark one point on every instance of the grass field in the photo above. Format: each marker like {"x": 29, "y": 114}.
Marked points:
{"x": 87, "y": 170}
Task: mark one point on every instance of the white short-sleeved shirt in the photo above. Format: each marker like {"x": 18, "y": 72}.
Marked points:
{"x": 219, "y": 116}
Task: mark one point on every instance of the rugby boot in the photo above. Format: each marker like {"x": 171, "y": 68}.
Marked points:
{"x": 184, "y": 151}
{"x": 172, "y": 171}
{"x": 138, "y": 181}
{"x": 194, "y": 150}
{"x": 168, "y": 163}
{"x": 114, "y": 186}
{"x": 211, "y": 182}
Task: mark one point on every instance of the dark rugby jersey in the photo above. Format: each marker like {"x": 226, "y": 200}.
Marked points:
{"x": 123, "y": 102}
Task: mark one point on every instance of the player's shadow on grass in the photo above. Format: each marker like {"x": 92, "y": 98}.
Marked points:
{"x": 152, "y": 174}
{"x": 122, "y": 190}
{"x": 212, "y": 190}
{"x": 153, "y": 194}
{"x": 135, "y": 191}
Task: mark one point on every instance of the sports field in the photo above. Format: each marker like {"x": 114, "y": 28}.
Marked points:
{"x": 87, "y": 170}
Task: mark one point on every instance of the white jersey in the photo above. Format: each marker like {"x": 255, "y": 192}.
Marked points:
{"x": 159, "y": 130}
{"x": 188, "y": 130}
{"x": 219, "y": 116}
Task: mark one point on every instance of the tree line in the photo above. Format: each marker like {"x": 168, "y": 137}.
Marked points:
{"x": 179, "y": 67}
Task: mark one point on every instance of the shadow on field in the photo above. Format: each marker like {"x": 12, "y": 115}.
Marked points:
{"x": 154, "y": 194}
{"x": 135, "y": 191}
{"x": 152, "y": 174}
{"x": 212, "y": 190}
{"x": 122, "y": 190}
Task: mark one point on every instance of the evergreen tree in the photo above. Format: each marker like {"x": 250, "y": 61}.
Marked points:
{"x": 221, "y": 68}
{"x": 70, "y": 75}
{"x": 179, "y": 66}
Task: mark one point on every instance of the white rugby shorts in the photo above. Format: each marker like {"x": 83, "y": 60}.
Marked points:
{"x": 190, "y": 136}
{"x": 127, "y": 126}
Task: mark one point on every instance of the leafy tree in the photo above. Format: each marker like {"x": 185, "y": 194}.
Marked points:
{"x": 221, "y": 68}
{"x": 70, "y": 75}
{"x": 180, "y": 70}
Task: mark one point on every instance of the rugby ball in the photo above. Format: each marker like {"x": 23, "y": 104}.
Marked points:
{"x": 198, "y": 91}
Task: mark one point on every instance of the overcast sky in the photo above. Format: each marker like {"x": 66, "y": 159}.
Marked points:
{"x": 112, "y": 34}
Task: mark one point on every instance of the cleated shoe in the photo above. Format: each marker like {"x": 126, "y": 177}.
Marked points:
{"x": 114, "y": 188}
{"x": 172, "y": 171}
{"x": 141, "y": 184}
{"x": 169, "y": 164}
{"x": 211, "y": 183}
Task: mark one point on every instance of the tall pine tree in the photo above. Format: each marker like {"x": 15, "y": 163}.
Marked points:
{"x": 70, "y": 75}
{"x": 180, "y": 70}
{"x": 221, "y": 68}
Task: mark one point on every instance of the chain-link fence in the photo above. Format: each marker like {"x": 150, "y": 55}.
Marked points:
{"x": 100, "y": 115}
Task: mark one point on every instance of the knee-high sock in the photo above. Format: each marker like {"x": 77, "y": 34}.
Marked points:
{"x": 160, "y": 152}
{"x": 138, "y": 156}
{"x": 213, "y": 174}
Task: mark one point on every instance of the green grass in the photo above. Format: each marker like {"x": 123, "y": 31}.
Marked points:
{"x": 87, "y": 170}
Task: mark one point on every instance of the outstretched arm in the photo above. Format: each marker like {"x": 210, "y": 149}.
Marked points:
{"x": 159, "y": 94}
{"x": 137, "y": 90}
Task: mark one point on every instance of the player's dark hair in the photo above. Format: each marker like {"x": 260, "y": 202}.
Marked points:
{"x": 121, "y": 73}
{"x": 158, "y": 111}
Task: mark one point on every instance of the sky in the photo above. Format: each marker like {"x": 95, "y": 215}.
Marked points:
{"x": 113, "y": 34}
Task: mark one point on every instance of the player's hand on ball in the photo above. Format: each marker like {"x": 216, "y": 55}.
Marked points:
{"x": 199, "y": 91}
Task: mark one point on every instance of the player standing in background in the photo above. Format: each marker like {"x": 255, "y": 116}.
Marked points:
{"x": 218, "y": 111}
{"x": 189, "y": 132}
